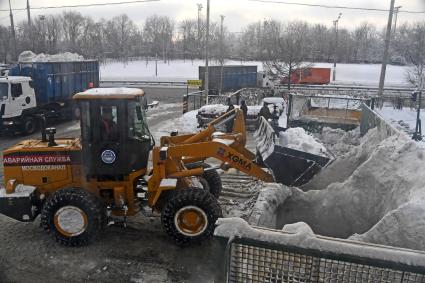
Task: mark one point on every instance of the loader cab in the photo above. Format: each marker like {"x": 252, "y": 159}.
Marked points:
{"x": 115, "y": 136}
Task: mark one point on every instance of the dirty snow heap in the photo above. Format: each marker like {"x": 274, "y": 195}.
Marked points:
{"x": 31, "y": 57}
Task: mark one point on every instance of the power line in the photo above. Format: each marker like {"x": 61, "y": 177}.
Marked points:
{"x": 335, "y": 7}
{"x": 82, "y": 5}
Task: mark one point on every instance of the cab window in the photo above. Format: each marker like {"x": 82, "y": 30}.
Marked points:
{"x": 137, "y": 122}
{"x": 16, "y": 90}
{"x": 109, "y": 123}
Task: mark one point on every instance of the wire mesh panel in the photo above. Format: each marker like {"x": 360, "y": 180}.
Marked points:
{"x": 253, "y": 263}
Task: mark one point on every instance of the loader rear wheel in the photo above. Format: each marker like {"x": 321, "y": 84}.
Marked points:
{"x": 210, "y": 180}
{"x": 73, "y": 216}
{"x": 190, "y": 215}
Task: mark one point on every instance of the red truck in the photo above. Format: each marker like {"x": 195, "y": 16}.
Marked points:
{"x": 318, "y": 76}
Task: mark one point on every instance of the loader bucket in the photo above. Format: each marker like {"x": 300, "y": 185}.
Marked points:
{"x": 290, "y": 167}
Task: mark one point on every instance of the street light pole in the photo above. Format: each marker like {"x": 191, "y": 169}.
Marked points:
{"x": 221, "y": 51}
{"x": 336, "y": 44}
{"x": 28, "y": 13}
{"x": 12, "y": 27}
{"x": 199, "y": 29}
{"x": 207, "y": 41}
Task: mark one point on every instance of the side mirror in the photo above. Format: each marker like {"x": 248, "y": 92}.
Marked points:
{"x": 153, "y": 104}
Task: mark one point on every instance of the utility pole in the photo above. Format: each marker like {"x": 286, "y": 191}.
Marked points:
{"x": 207, "y": 42}
{"x": 29, "y": 13}
{"x": 396, "y": 10}
{"x": 199, "y": 28}
{"x": 12, "y": 29}
{"x": 336, "y": 44}
{"x": 221, "y": 51}
{"x": 387, "y": 47}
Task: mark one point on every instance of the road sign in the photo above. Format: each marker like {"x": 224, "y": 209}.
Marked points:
{"x": 194, "y": 82}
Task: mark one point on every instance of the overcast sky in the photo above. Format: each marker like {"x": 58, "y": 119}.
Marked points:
{"x": 237, "y": 13}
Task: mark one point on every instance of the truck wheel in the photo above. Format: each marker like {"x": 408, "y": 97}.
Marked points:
{"x": 28, "y": 126}
{"x": 210, "y": 180}
{"x": 73, "y": 216}
{"x": 190, "y": 216}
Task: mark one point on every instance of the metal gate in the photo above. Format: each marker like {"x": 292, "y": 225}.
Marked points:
{"x": 257, "y": 260}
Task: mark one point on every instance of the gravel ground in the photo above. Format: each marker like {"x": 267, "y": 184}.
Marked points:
{"x": 141, "y": 252}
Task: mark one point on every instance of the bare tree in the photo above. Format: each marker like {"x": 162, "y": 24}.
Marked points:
{"x": 4, "y": 43}
{"x": 290, "y": 52}
{"x": 72, "y": 24}
{"x": 159, "y": 33}
{"x": 189, "y": 31}
{"x": 415, "y": 53}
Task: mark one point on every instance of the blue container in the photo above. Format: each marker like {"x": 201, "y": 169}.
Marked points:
{"x": 55, "y": 82}
{"x": 234, "y": 77}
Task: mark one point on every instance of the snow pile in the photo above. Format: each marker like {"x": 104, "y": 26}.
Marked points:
{"x": 213, "y": 109}
{"x": 31, "y": 57}
{"x": 338, "y": 141}
{"x": 297, "y": 138}
{"x": 265, "y": 209}
{"x": 375, "y": 191}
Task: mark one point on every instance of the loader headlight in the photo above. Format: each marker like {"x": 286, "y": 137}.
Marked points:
{"x": 8, "y": 123}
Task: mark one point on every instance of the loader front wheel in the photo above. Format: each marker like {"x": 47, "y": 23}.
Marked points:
{"x": 73, "y": 216}
{"x": 190, "y": 215}
{"x": 210, "y": 180}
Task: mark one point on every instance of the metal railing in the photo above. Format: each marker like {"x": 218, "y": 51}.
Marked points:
{"x": 268, "y": 255}
{"x": 352, "y": 90}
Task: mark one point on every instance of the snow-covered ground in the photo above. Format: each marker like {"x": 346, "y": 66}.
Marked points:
{"x": 179, "y": 70}
{"x": 185, "y": 124}
{"x": 404, "y": 119}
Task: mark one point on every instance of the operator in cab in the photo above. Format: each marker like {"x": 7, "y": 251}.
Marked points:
{"x": 109, "y": 128}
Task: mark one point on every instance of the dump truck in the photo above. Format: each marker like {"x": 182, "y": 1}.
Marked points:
{"x": 229, "y": 78}
{"x": 79, "y": 184}
{"x": 309, "y": 76}
{"x": 34, "y": 88}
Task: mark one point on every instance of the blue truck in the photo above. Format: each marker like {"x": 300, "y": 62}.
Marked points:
{"x": 32, "y": 89}
{"x": 229, "y": 78}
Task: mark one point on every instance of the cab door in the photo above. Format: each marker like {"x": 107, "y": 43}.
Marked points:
{"x": 21, "y": 99}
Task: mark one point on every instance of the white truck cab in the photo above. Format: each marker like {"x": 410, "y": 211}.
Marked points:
{"x": 17, "y": 103}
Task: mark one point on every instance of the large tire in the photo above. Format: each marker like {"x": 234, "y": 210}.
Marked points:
{"x": 190, "y": 215}
{"x": 210, "y": 180}
{"x": 29, "y": 126}
{"x": 73, "y": 216}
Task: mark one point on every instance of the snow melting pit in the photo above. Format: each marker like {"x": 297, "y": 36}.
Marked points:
{"x": 373, "y": 192}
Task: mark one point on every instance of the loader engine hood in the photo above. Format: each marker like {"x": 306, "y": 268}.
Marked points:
{"x": 35, "y": 163}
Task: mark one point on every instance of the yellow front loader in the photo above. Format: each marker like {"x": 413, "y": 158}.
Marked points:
{"x": 77, "y": 184}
